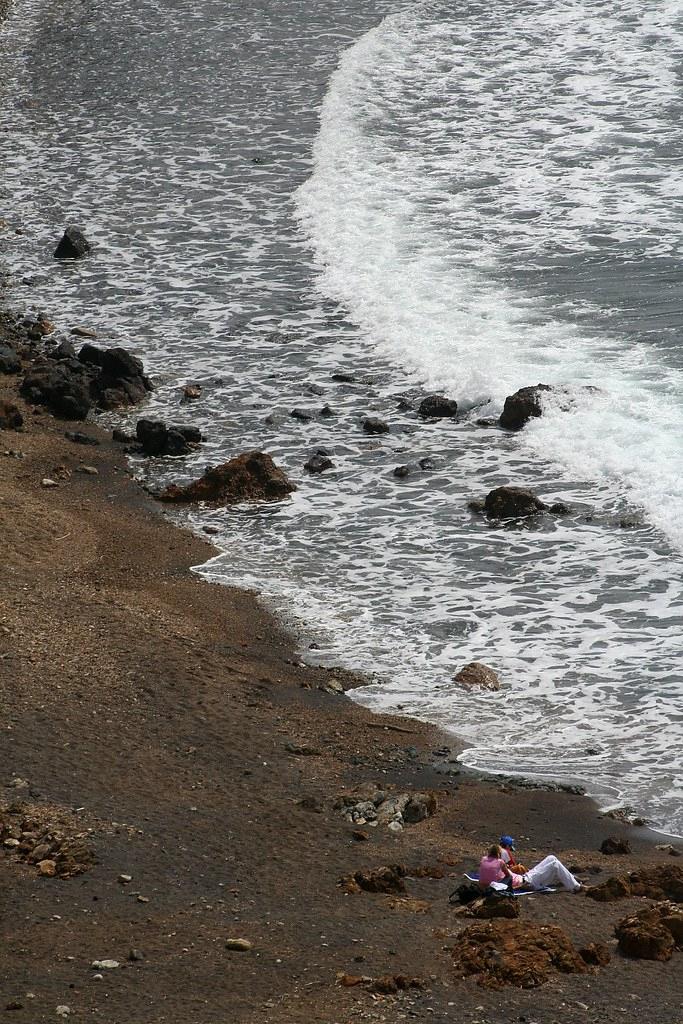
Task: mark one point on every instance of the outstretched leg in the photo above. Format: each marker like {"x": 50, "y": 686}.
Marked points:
{"x": 552, "y": 871}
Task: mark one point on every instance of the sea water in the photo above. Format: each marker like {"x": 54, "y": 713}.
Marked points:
{"x": 430, "y": 196}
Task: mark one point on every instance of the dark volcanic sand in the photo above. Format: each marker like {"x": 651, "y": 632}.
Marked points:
{"x": 160, "y": 705}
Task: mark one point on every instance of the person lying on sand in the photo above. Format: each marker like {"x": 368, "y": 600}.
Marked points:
{"x": 549, "y": 872}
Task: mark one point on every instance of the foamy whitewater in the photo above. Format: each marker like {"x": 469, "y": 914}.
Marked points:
{"x": 432, "y": 196}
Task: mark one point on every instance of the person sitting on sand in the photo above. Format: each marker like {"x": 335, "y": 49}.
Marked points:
{"x": 507, "y": 845}
{"x": 549, "y": 872}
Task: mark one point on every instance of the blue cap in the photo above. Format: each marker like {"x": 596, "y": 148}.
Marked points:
{"x": 507, "y": 841}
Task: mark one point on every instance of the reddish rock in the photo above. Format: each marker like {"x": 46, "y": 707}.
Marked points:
{"x": 613, "y": 846}
{"x": 664, "y": 882}
{"x": 610, "y": 891}
{"x": 476, "y": 676}
{"x": 10, "y": 417}
{"x": 388, "y": 879}
{"x": 494, "y": 906}
{"x": 595, "y": 954}
{"x": 252, "y": 476}
{"x": 517, "y": 953}
{"x": 643, "y": 936}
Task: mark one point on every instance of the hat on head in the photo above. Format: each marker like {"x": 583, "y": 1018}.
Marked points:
{"x": 507, "y": 841}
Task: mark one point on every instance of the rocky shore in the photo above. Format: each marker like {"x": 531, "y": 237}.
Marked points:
{"x": 196, "y": 826}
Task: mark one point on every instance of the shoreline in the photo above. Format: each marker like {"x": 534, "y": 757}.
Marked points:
{"x": 173, "y": 718}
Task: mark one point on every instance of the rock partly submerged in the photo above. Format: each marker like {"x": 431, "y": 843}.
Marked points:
{"x": 252, "y": 476}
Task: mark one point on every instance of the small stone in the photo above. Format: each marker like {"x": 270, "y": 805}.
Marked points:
{"x": 374, "y": 425}
{"x": 239, "y": 945}
{"x": 63, "y": 1011}
{"x": 143, "y": 899}
{"x": 105, "y": 965}
{"x": 395, "y": 826}
{"x": 83, "y": 332}
{"x": 47, "y": 869}
{"x": 135, "y": 954}
{"x": 124, "y": 879}
{"x": 89, "y": 470}
{"x": 47, "y": 482}
{"x": 11, "y": 844}
{"x": 14, "y": 1004}
{"x": 191, "y": 392}
{"x": 360, "y": 836}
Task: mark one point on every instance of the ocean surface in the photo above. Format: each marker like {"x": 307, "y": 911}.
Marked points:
{"x": 434, "y": 196}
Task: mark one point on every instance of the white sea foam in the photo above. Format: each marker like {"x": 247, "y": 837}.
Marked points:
{"x": 457, "y": 158}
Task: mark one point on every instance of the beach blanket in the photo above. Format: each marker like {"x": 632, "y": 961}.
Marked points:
{"x": 502, "y": 887}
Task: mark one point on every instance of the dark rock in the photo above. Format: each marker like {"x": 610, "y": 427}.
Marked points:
{"x": 83, "y": 332}
{"x": 65, "y": 350}
{"x": 476, "y": 505}
{"x": 118, "y": 364}
{"x": 191, "y": 392}
{"x": 524, "y": 405}
{"x": 252, "y": 476}
{"x": 474, "y": 675}
{"x": 514, "y": 953}
{"x": 512, "y": 502}
{"x": 437, "y": 407}
{"x": 495, "y": 906}
{"x": 326, "y": 412}
{"x": 305, "y": 415}
{"x": 91, "y": 354}
{"x": 344, "y": 377}
{"x": 427, "y": 463}
{"x": 9, "y": 360}
{"x": 402, "y": 471}
{"x": 612, "y": 846}
{"x": 156, "y": 438}
{"x": 122, "y": 436}
{"x": 73, "y": 245}
{"x": 64, "y": 387}
{"x": 314, "y": 389}
{"x": 559, "y": 509}
{"x": 78, "y": 438}
{"x": 10, "y": 417}
{"x": 318, "y": 463}
{"x": 374, "y": 425}
{"x": 466, "y": 893}
{"x": 419, "y": 807}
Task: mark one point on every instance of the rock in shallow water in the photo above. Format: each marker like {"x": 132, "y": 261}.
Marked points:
{"x": 512, "y": 502}
{"x": 252, "y": 476}
{"x": 524, "y": 405}
{"x": 477, "y": 676}
{"x": 438, "y": 407}
{"x": 73, "y": 245}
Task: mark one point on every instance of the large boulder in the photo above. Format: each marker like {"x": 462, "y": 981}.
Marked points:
{"x": 512, "y": 503}
{"x": 387, "y": 879}
{"x": 252, "y": 476}
{"x": 437, "y": 407}
{"x": 524, "y": 405}
{"x": 73, "y": 245}
{"x": 476, "y": 676}
{"x": 644, "y": 935}
{"x": 64, "y": 387}
{"x": 517, "y": 953}
{"x": 69, "y": 387}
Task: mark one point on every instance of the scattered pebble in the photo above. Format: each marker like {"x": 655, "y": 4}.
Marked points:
{"x": 241, "y": 945}
{"x": 47, "y": 482}
{"x": 104, "y": 965}
{"x": 124, "y": 879}
{"x": 89, "y": 470}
